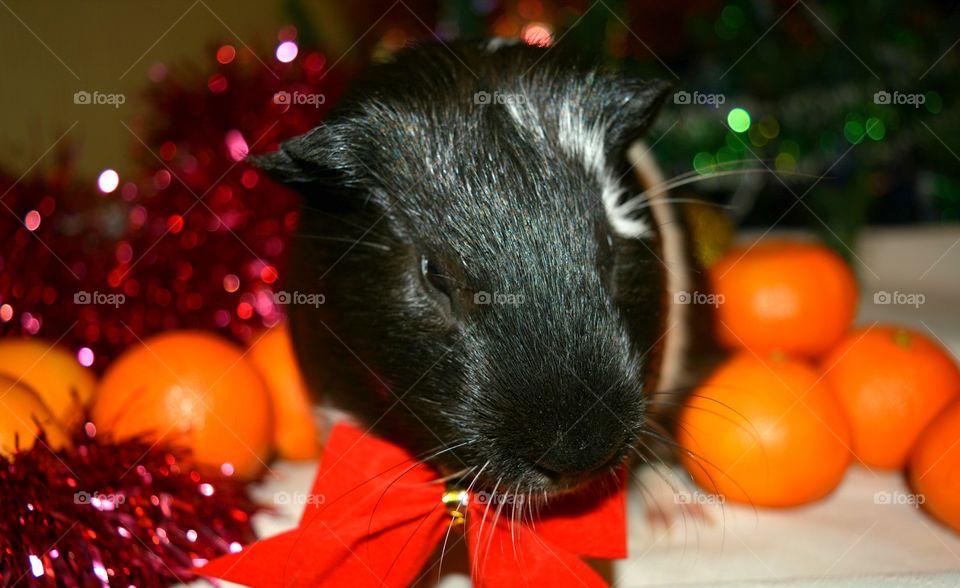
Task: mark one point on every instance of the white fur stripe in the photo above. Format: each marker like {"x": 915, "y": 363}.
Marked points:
{"x": 585, "y": 142}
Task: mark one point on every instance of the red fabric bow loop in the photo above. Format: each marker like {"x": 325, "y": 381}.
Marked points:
{"x": 375, "y": 516}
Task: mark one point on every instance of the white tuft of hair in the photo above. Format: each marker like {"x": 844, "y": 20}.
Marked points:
{"x": 585, "y": 142}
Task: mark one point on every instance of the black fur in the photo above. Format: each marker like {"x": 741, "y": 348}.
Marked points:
{"x": 411, "y": 174}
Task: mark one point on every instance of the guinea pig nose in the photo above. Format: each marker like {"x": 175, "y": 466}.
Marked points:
{"x": 567, "y": 461}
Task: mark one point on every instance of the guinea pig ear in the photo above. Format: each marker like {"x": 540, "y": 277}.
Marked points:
{"x": 317, "y": 156}
{"x": 632, "y": 113}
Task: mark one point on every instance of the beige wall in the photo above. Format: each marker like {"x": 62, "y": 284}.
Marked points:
{"x": 97, "y": 42}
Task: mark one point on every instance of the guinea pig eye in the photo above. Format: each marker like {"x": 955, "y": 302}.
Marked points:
{"x": 434, "y": 277}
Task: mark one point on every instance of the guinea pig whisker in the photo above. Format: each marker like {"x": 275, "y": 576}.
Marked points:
{"x": 698, "y": 459}
{"x": 749, "y": 429}
{"x": 694, "y": 176}
{"x": 638, "y": 203}
{"x": 649, "y": 497}
{"x": 416, "y": 460}
{"x": 340, "y": 218}
{"x": 458, "y": 474}
{"x": 370, "y": 244}
{"x": 483, "y": 521}
{"x": 513, "y": 526}
{"x": 446, "y": 537}
{"x": 390, "y": 485}
{"x": 496, "y": 518}
{"x": 530, "y": 507}
{"x": 671, "y": 391}
{"x": 444, "y": 450}
{"x": 416, "y": 464}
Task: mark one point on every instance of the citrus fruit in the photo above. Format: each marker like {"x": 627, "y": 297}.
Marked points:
{"x": 22, "y": 415}
{"x": 935, "y": 467}
{"x": 794, "y": 297}
{"x": 189, "y": 388}
{"x": 52, "y": 372}
{"x": 891, "y": 382}
{"x": 764, "y": 432}
{"x": 294, "y": 431}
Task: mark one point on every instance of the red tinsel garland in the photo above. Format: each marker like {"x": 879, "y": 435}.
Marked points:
{"x": 127, "y": 513}
{"x": 194, "y": 238}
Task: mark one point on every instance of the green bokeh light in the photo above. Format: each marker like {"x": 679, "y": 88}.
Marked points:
{"x": 726, "y": 159}
{"x": 791, "y": 147}
{"x": 733, "y": 16}
{"x": 704, "y": 163}
{"x": 756, "y": 137}
{"x": 735, "y": 143}
{"x": 829, "y": 141}
{"x": 875, "y": 128}
{"x": 739, "y": 120}
{"x": 853, "y": 131}
{"x": 785, "y": 163}
{"x": 933, "y": 102}
{"x": 769, "y": 127}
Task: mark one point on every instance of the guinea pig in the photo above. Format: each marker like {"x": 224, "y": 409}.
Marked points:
{"x": 495, "y": 294}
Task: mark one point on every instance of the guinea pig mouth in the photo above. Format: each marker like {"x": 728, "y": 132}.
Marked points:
{"x": 535, "y": 481}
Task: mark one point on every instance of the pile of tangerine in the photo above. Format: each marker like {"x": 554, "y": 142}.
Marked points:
{"x": 802, "y": 395}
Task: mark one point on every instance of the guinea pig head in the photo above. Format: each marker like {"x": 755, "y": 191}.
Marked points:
{"x": 471, "y": 277}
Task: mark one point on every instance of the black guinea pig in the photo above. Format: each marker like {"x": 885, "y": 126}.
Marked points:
{"x": 494, "y": 295}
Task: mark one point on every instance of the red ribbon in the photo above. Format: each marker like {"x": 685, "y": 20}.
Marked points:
{"x": 375, "y": 516}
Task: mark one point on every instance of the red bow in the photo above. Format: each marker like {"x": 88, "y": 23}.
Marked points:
{"x": 375, "y": 516}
